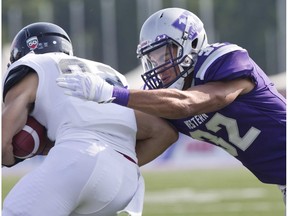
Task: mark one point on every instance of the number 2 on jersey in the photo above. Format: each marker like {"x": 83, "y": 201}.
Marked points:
{"x": 216, "y": 123}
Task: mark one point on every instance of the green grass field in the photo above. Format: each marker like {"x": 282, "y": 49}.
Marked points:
{"x": 202, "y": 193}
{"x": 210, "y": 192}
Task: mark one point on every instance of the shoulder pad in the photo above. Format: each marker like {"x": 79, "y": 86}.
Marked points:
{"x": 14, "y": 76}
{"x": 212, "y": 53}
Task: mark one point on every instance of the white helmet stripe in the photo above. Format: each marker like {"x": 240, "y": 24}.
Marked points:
{"x": 215, "y": 55}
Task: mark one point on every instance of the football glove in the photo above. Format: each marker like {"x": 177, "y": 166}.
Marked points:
{"x": 87, "y": 86}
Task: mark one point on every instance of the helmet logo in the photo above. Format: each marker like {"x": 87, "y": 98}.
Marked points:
{"x": 32, "y": 43}
{"x": 189, "y": 24}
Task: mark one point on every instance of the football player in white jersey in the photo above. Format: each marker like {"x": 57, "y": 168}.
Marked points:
{"x": 211, "y": 92}
{"x": 92, "y": 169}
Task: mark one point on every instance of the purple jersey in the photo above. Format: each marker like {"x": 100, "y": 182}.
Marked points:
{"x": 253, "y": 127}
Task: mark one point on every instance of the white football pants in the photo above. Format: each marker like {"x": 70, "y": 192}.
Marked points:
{"x": 80, "y": 180}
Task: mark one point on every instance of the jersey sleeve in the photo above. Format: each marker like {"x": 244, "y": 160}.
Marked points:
{"x": 227, "y": 62}
{"x": 13, "y": 76}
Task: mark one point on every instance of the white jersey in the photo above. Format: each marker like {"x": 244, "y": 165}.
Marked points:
{"x": 69, "y": 118}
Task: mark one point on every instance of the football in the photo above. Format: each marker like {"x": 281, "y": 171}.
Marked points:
{"x": 30, "y": 141}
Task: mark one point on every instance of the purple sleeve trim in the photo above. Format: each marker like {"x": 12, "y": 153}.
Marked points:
{"x": 121, "y": 96}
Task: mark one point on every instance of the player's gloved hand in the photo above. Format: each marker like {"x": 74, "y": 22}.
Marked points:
{"x": 86, "y": 86}
{"x": 91, "y": 87}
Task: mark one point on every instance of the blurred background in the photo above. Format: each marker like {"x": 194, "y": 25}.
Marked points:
{"x": 108, "y": 30}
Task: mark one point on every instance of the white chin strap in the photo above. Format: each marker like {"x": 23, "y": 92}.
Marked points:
{"x": 178, "y": 84}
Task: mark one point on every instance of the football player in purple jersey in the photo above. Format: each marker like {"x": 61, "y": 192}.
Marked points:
{"x": 211, "y": 92}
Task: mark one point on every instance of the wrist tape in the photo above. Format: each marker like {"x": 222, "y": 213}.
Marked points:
{"x": 121, "y": 96}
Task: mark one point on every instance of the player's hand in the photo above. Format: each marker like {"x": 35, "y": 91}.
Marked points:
{"x": 15, "y": 161}
{"x": 87, "y": 86}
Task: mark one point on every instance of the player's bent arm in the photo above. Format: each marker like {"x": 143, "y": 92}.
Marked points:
{"x": 154, "y": 136}
{"x": 173, "y": 103}
{"x": 166, "y": 103}
{"x": 17, "y": 104}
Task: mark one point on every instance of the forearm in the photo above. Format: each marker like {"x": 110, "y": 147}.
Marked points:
{"x": 148, "y": 150}
{"x": 14, "y": 116}
{"x": 154, "y": 136}
{"x": 162, "y": 103}
{"x": 175, "y": 104}
{"x": 8, "y": 132}
{"x": 18, "y": 102}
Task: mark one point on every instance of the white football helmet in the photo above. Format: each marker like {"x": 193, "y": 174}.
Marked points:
{"x": 164, "y": 31}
